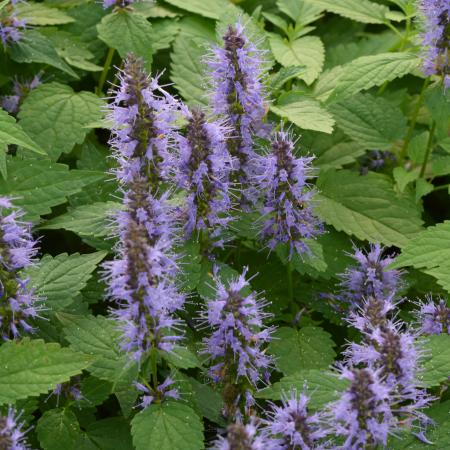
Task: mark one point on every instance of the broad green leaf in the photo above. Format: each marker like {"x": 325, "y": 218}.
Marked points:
{"x": 285, "y": 74}
{"x": 167, "y": 426}
{"x": 368, "y": 71}
{"x": 339, "y": 155}
{"x": 127, "y": 32}
{"x": 300, "y": 11}
{"x": 304, "y": 111}
{"x": 182, "y": 357}
{"x": 112, "y": 433}
{"x": 40, "y": 185}
{"x": 372, "y": 121}
{"x": 60, "y": 279}
{"x": 437, "y": 100}
{"x": 363, "y": 11}
{"x": 418, "y": 146}
{"x": 39, "y": 14}
{"x": 402, "y": 177}
{"x": 367, "y": 207}
{"x": 209, "y": 401}
{"x": 57, "y": 118}
{"x": 164, "y": 33}
{"x": 213, "y": 10}
{"x": 320, "y": 385}
{"x": 307, "y": 51}
{"x": 85, "y": 220}
{"x": 12, "y": 133}
{"x": 3, "y": 166}
{"x": 188, "y": 70}
{"x": 436, "y": 367}
{"x": 32, "y": 367}
{"x": 36, "y": 48}
{"x": 326, "y": 83}
{"x": 298, "y": 350}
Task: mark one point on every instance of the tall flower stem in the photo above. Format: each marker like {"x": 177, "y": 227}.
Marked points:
{"x": 290, "y": 286}
{"x": 154, "y": 366}
{"x": 106, "y": 67}
{"x": 429, "y": 148}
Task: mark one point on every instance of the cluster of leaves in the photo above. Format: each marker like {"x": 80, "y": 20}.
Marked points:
{"x": 346, "y": 74}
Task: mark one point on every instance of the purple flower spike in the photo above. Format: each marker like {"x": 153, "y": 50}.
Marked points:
{"x": 238, "y": 96}
{"x": 11, "y": 103}
{"x": 362, "y": 416}
{"x": 291, "y": 427}
{"x": 369, "y": 277}
{"x": 204, "y": 175}
{"x": 287, "y": 196}
{"x": 11, "y": 27}
{"x": 434, "y": 317}
{"x": 163, "y": 391}
{"x": 119, "y": 3}
{"x": 236, "y": 343}
{"x": 18, "y": 249}
{"x": 436, "y": 38}
{"x": 11, "y": 435}
{"x": 243, "y": 437}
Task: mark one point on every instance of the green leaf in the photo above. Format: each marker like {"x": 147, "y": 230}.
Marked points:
{"x": 209, "y": 401}
{"x": 436, "y": 367}
{"x": 39, "y": 14}
{"x": 39, "y": 185}
{"x": 298, "y": 350}
{"x": 85, "y": 220}
{"x": 167, "y": 426}
{"x": 214, "y": 9}
{"x": 285, "y": 74}
{"x": 367, "y": 207}
{"x": 182, "y": 357}
{"x": 300, "y": 11}
{"x": 111, "y": 434}
{"x": 307, "y": 51}
{"x": 368, "y": 71}
{"x": 322, "y": 387}
{"x": 360, "y": 10}
{"x": 164, "y": 33}
{"x": 127, "y": 32}
{"x": 339, "y": 155}
{"x": 32, "y": 367}
{"x": 402, "y": 177}
{"x": 12, "y": 133}
{"x": 437, "y": 100}
{"x": 304, "y": 112}
{"x": 36, "y": 48}
{"x": 57, "y": 118}
{"x": 372, "y": 121}
{"x": 60, "y": 279}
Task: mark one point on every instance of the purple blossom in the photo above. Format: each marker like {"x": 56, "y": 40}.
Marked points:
{"x": 282, "y": 178}
{"x": 163, "y": 391}
{"x": 204, "y": 169}
{"x": 291, "y": 427}
{"x": 70, "y": 390}
{"x": 18, "y": 249}
{"x": 11, "y": 103}
{"x": 235, "y": 345}
{"x": 436, "y": 38}
{"x": 377, "y": 159}
{"x": 11, "y": 27}
{"x": 243, "y": 437}
{"x": 118, "y": 3}
{"x": 363, "y": 416}
{"x": 238, "y": 96}
{"x": 12, "y": 436}
{"x": 369, "y": 277}
{"x": 434, "y": 317}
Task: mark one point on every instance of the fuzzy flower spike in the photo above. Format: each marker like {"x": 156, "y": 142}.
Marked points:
{"x": 282, "y": 178}
{"x": 17, "y": 251}
{"x": 238, "y": 96}
{"x": 436, "y": 38}
{"x": 434, "y": 317}
{"x": 12, "y": 437}
{"x": 11, "y": 27}
{"x": 204, "y": 172}
{"x": 141, "y": 277}
{"x": 236, "y": 344}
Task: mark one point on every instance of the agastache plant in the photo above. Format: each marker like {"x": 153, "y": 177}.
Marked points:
{"x": 11, "y": 103}
{"x": 204, "y": 175}
{"x": 118, "y": 3}
{"x": 141, "y": 277}
{"x": 238, "y": 96}
{"x": 287, "y": 195}
{"x": 19, "y": 303}
{"x": 11, "y": 27}
{"x": 240, "y": 436}
{"x": 436, "y": 38}
{"x": 434, "y": 318}
{"x": 236, "y": 344}
{"x": 12, "y": 436}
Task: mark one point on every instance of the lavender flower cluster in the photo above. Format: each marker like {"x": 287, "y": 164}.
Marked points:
{"x": 12, "y": 435}
{"x": 11, "y": 27}
{"x": 11, "y": 103}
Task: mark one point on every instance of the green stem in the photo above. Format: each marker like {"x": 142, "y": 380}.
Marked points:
{"x": 412, "y": 125}
{"x": 154, "y": 367}
{"x": 105, "y": 71}
{"x": 290, "y": 286}
{"x": 441, "y": 187}
{"x": 429, "y": 148}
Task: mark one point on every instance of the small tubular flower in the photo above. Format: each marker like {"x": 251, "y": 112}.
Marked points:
{"x": 235, "y": 345}
{"x": 17, "y": 251}
{"x": 369, "y": 277}
{"x": 238, "y": 96}
{"x": 203, "y": 174}
{"x": 434, "y": 318}
{"x": 162, "y": 391}
{"x": 363, "y": 415}
{"x": 118, "y": 3}
{"x": 243, "y": 437}
{"x": 11, "y": 103}
{"x": 12, "y": 436}
{"x": 436, "y": 38}
{"x": 11, "y": 27}
{"x": 291, "y": 427}
{"x": 282, "y": 178}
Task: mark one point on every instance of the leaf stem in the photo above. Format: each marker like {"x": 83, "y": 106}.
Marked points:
{"x": 154, "y": 367}
{"x": 105, "y": 71}
{"x": 290, "y": 286}
{"x": 429, "y": 148}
